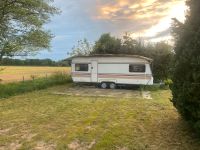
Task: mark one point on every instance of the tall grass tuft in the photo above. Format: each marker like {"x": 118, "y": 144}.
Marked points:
{"x": 11, "y": 89}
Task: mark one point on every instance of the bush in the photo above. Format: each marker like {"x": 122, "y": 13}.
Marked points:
{"x": 168, "y": 82}
{"x": 12, "y": 89}
{"x": 186, "y": 74}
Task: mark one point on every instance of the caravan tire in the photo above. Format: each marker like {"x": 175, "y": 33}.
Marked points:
{"x": 104, "y": 85}
{"x": 112, "y": 86}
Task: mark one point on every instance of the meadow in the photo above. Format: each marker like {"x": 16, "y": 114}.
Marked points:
{"x": 15, "y": 73}
{"x": 48, "y": 120}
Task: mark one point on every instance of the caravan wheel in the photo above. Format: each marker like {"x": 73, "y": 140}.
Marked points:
{"x": 103, "y": 85}
{"x": 112, "y": 86}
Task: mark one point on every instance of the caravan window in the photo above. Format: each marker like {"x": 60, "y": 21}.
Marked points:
{"x": 81, "y": 67}
{"x": 136, "y": 68}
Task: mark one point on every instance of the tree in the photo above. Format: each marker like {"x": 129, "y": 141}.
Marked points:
{"x": 162, "y": 55}
{"x": 83, "y": 48}
{"x": 107, "y": 45}
{"x": 132, "y": 46}
{"x": 186, "y": 74}
{"x": 21, "y": 26}
{"x": 128, "y": 44}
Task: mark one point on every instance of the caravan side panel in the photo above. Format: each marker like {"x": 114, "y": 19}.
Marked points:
{"x": 81, "y": 76}
{"x": 119, "y": 73}
{"x": 112, "y": 69}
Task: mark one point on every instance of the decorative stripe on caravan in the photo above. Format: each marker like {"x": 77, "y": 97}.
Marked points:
{"x": 112, "y": 75}
{"x": 77, "y": 74}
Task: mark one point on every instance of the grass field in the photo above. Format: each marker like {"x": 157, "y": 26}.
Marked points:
{"x": 15, "y": 73}
{"x": 45, "y": 120}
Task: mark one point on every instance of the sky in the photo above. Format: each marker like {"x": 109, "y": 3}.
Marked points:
{"x": 79, "y": 19}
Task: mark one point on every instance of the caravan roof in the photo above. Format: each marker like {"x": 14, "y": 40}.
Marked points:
{"x": 114, "y": 55}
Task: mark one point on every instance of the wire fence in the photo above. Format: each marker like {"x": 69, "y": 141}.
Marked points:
{"x": 8, "y": 78}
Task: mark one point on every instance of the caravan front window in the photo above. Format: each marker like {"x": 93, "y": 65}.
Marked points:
{"x": 81, "y": 67}
{"x": 137, "y": 68}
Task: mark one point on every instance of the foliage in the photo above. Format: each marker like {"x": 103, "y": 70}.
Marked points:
{"x": 132, "y": 46}
{"x": 155, "y": 87}
{"x": 32, "y": 62}
{"x": 27, "y": 62}
{"x": 168, "y": 82}
{"x": 21, "y": 26}
{"x": 186, "y": 74}
{"x": 83, "y": 48}
{"x": 107, "y": 44}
{"x": 162, "y": 56}
{"x": 17, "y": 88}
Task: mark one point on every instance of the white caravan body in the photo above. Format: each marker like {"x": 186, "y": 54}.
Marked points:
{"x": 118, "y": 69}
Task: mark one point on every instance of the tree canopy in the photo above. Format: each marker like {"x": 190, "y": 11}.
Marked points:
{"x": 32, "y": 62}
{"x": 186, "y": 74}
{"x": 21, "y": 26}
{"x": 107, "y": 44}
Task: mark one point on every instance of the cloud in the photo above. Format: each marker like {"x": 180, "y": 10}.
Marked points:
{"x": 80, "y": 19}
{"x": 159, "y": 35}
{"x": 132, "y": 9}
{"x": 141, "y": 17}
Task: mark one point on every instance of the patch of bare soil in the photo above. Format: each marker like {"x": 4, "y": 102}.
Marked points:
{"x": 97, "y": 92}
{"x": 122, "y": 148}
{"x": 28, "y": 137}
{"x": 45, "y": 146}
{"x": 25, "y": 135}
{"x": 146, "y": 95}
{"x": 77, "y": 145}
{"x": 4, "y": 131}
{"x": 12, "y": 146}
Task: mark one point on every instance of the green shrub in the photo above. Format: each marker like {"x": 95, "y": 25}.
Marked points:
{"x": 12, "y": 89}
{"x": 186, "y": 74}
{"x": 168, "y": 82}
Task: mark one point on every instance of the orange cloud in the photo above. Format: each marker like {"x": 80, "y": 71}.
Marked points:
{"x": 152, "y": 15}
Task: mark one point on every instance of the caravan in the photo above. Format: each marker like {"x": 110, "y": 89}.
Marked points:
{"x": 111, "y": 70}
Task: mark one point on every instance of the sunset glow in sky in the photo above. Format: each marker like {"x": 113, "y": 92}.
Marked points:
{"x": 150, "y": 19}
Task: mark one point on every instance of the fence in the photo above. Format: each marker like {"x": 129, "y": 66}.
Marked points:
{"x": 8, "y": 78}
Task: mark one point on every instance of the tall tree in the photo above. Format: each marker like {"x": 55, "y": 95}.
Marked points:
{"x": 107, "y": 44}
{"x": 21, "y": 26}
{"x": 132, "y": 46}
{"x": 128, "y": 44}
{"x": 186, "y": 75}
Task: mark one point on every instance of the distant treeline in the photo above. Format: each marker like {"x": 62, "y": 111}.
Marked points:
{"x": 32, "y": 62}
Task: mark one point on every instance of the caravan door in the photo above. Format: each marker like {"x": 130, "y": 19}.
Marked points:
{"x": 94, "y": 67}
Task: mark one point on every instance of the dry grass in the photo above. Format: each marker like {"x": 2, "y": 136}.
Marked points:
{"x": 43, "y": 120}
{"x": 13, "y": 73}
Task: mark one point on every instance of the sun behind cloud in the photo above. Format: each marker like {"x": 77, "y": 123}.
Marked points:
{"x": 152, "y": 16}
{"x": 176, "y": 11}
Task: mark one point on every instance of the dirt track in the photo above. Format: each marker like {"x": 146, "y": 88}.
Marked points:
{"x": 93, "y": 91}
